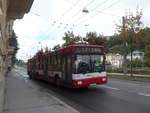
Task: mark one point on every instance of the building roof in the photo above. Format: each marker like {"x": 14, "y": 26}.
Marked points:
{"x": 17, "y": 8}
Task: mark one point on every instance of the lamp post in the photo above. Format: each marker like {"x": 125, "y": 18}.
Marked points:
{"x": 131, "y": 48}
{"x": 85, "y": 10}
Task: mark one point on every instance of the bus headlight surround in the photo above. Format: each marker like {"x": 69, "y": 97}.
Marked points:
{"x": 79, "y": 82}
{"x": 103, "y": 79}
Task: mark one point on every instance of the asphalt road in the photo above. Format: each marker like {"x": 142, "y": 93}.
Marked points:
{"x": 118, "y": 96}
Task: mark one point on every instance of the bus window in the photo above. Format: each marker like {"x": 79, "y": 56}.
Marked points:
{"x": 69, "y": 69}
{"x": 64, "y": 67}
{"x": 89, "y": 63}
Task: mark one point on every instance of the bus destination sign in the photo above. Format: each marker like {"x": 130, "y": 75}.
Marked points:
{"x": 88, "y": 50}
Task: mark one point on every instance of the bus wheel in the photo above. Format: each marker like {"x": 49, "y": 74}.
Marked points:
{"x": 30, "y": 76}
{"x": 57, "y": 81}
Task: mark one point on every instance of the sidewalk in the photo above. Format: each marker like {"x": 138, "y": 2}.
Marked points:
{"x": 136, "y": 75}
{"x": 22, "y": 97}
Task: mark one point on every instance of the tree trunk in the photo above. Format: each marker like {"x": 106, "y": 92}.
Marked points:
{"x": 125, "y": 64}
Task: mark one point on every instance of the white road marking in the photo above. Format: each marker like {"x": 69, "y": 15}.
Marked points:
{"x": 143, "y": 94}
{"x": 66, "y": 105}
{"x": 111, "y": 87}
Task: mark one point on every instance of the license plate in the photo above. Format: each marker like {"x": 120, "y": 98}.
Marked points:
{"x": 93, "y": 84}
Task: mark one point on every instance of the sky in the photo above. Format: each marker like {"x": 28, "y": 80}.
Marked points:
{"x": 45, "y": 24}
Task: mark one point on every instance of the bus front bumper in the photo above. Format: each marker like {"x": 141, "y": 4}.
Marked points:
{"x": 81, "y": 83}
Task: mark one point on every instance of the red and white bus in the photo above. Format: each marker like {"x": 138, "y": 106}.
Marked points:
{"x": 75, "y": 66}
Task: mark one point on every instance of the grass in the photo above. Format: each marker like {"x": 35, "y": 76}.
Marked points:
{"x": 130, "y": 78}
{"x": 142, "y": 69}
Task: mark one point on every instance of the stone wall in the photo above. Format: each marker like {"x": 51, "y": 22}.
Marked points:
{"x": 3, "y": 49}
{"x": 8, "y": 13}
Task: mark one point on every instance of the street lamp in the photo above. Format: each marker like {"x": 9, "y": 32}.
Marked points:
{"x": 85, "y": 10}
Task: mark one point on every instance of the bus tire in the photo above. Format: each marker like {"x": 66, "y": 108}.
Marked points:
{"x": 30, "y": 77}
{"x": 57, "y": 81}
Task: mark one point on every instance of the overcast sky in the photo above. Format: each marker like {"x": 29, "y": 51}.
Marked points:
{"x": 47, "y": 21}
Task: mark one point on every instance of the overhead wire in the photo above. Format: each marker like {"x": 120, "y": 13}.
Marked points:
{"x": 107, "y": 13}
{"x": 91, "y": 17}
{"x": 67, "y": 21}
{"x": 97, "y": 6}
{"x": 80, "y": 10}
{"x": 68, "y": 1}
{"x": 66, "y": 12}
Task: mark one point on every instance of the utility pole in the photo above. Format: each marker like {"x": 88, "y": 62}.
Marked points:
{"x": 124, "y": 45}
{"x": 131, "y": 48}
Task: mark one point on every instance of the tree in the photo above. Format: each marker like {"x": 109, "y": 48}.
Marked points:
{"x": 20, "y": 62}
{"x": 46, "y": 49}
{"x": 70, "y": 39}
{"x": 137, "y": 63}
{"x": 116, "y": 49}
{"x": 114, "y": 40}
{"x": 56, "y": 47}
{"x": 94, "y": 39}
{"x": 13, "y": 43}
{"x": 129, "y": 30}
{"x": 147, "y": 51}
{"x": 147, "y": 55}
{"x": 145, "y": 35}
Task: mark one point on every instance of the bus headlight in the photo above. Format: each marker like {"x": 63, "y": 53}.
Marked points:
{"x": 103, "y": 79}
{"x": 79, "y": 82}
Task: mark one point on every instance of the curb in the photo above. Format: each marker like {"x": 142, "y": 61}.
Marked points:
{"x": 2, "y": 84}
{"x": 66, "y": 105}
{"x": 135, "y": 75}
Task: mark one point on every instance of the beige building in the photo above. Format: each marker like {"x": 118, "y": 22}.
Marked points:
{"x": 9, "y": 11}
{"x": 136, "y": 55}
{"x": 115, "y": 60}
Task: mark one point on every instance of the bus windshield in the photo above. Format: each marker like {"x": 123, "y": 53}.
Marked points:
{"x": 89, "y": 63}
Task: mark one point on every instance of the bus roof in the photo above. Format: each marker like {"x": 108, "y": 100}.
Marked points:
{"x": 64, "y": 50}
{"x": 72, "y": 47}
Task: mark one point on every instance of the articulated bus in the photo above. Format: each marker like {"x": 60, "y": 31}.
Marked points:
{"x": 75, "y": 66}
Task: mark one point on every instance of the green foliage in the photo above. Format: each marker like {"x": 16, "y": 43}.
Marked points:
{"x": 116, "y": 70}
{"x": 129, "y": 30}
{"x": 147, "y": 62}
{"x": 115, "y": 43}
{"x": 114, "y": 40}
{"x": 144, "y": 36}
{"x": 94, "y": 39}
{"x": 147, "y": 55}
{"x": 130, "y": 78}
{"x": 137, "y": 63}
{"x": 56, "y": 47}
{"x": 116, "y": 49}
{"x": 70, "y": 39}
{"x": 13, "y": 43}
{"x": 20, "y": 62}
{"x": 91, "y": 38}
{"x": 147, "y": 51}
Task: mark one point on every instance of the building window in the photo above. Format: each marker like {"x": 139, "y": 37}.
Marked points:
{"x": 1, "y": 11}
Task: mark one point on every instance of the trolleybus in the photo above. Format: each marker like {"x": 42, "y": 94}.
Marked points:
{"x": 75, "y": 66}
